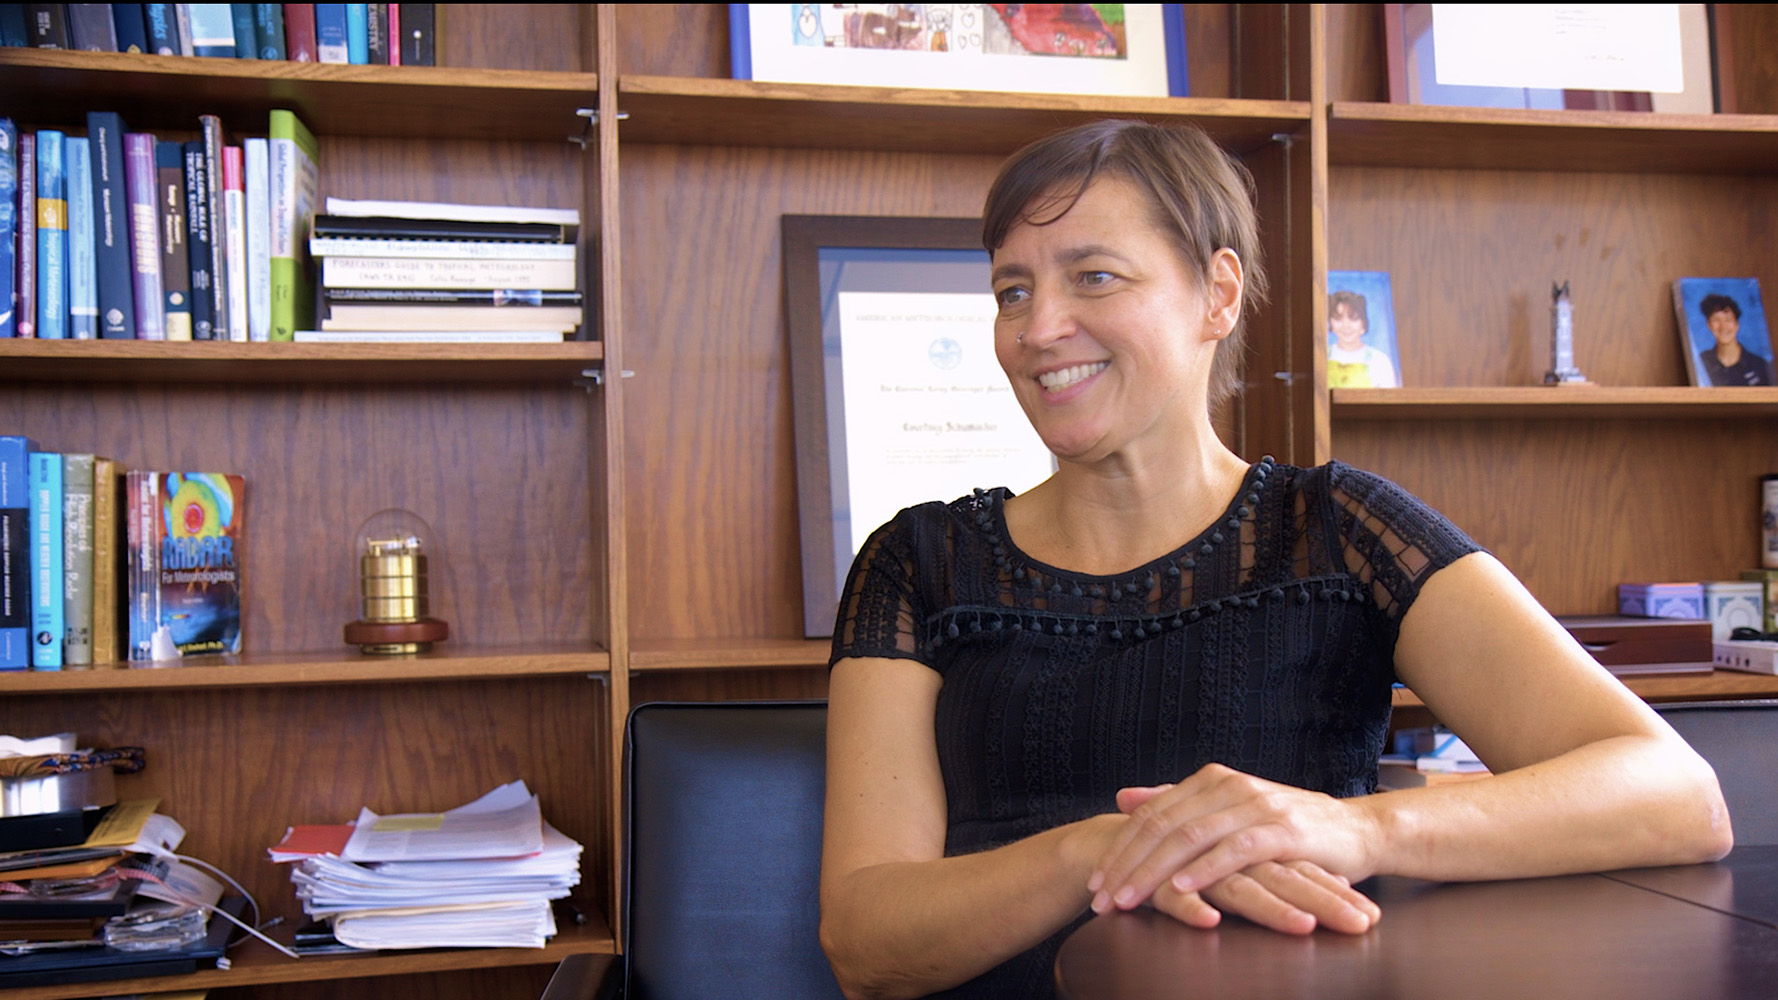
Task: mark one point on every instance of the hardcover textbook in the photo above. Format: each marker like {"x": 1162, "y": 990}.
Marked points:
{"x": 185, "y": 533}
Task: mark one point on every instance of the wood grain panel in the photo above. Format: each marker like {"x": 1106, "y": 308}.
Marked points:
{"x": 499, "y": 473}
{"x": 1472, "y": 254}
{"x": 730, "y": 685}
{"x": 1577, "y": 507}
{"x": 531, "y": 174}
{"x": 523, "y": 982}
{"x": 1356, "y": 66}
{"x": 530, "y": 36}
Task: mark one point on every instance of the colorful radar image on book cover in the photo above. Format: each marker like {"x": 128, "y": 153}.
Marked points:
{"x": 200, "y": 574}
{"x": 1093, "y": 30}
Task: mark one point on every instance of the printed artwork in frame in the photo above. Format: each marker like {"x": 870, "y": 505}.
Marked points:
{"x": 1128, "y": 50}
{"x": 898, "y": 397}
{"x": 1723, "y": 332}
{"x": 1361, "y": 350}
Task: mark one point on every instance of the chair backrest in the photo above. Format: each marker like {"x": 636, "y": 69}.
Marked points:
{"x": 1740, "y": 740}
{"x": 722, "y": 848}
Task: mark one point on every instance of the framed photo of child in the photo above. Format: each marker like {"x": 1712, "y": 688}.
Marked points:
{"x": 1361, "y": 350}
{"x": 1723, "y": 332}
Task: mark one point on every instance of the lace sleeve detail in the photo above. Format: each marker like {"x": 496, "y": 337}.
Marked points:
{"x": 880, "y": 612}
{"x": 1391, "y": 540}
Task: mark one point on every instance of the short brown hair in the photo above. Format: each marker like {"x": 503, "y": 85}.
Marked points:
{"x": 1200, "y": 196}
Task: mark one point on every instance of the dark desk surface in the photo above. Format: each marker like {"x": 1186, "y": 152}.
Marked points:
{"x": 1749, "y": 889}
{"x": 1580, "y": 937}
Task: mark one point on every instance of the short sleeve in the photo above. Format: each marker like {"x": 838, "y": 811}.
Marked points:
{"x": 880, "y": 613}
{"x": 1390, "y": 539}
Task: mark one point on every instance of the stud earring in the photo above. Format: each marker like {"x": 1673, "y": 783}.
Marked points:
{"x": 1021, "y": 338}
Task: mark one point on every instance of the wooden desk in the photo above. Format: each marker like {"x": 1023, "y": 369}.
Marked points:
{"x": 1580, "y": 937}
{"x": 1745, "y": 883}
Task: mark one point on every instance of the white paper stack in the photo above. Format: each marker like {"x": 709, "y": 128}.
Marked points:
{"x": 480, "y": 875}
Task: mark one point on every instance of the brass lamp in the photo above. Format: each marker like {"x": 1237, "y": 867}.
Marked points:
{"x": 391, "y": 548}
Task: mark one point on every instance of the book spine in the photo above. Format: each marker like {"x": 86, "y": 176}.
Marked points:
{"x": 111, "y": 247}
{"x": 52, "y": 237}
{"x": 83, "y": 267}
{"x": 49, "y": 25}
{"x": 330, "y": 33}
{"x": 295, "y": 185}
{"x": 77, "y": 560}
{"x": 15, "y": 553}
{"x": 24, "y": 275}
{"x": 515, "y": 297}
{"x": 46, "y": 560}
{"x": 143, "y": 509}
{"x": 15, "y": 33}
{"x": 163, "y": 28}
{"x": 245, "y": 31}
{"x": 131, "y": 26}
{"x": 467, "y": 230}
{"x": 418, "y": 34}
{"x": 359, "y": 246}
{"x": 394, "y": 34}
{"x": 445, "y": 273}
{"x": 182, "y": 22}
{"x": 169, "y": 176}
{"x": 257, "y": 179}
{"x": 212, "y": 30}
{"x": 357, "y": 34}
{"x": 268, "y": 28}
{"x": 211, "y": 127}
{"x": 376, "y": 33}
{"x": 9, "y": 226}
{"x": 234, "y": 237}
{"x": 105, "y": 557}
{"x": 299, "y": 31}
{"x": 90, "y": 27}
{"x": 198, "y": 243}
{"x": 145, "y": 238}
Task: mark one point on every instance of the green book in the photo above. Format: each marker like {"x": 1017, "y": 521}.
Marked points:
{"x": 77, "y": 560}
{"x": 296, "y": 185}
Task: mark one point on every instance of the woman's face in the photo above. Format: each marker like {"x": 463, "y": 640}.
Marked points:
{"x": 1115, "y": 348}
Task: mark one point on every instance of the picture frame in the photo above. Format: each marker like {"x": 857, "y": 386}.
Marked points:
{"x": 1549, "y": 82}
{"x": 1718, "y": 315}
{"x": 980, "y": 47}
{"x": 898, "y": 398}
{"x": 1361, "y": 346}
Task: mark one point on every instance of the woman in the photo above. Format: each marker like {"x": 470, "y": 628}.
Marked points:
{"x": 1161, "y": 677}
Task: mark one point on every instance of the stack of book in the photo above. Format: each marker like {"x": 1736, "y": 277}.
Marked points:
{"x": 378, "y": 34}
{"x": 425, "y": 271}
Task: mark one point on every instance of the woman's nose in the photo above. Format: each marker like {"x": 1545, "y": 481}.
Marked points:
{"x": 1050, "y": 318}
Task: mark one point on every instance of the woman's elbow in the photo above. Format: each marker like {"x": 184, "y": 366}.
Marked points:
{"x": 854, "y": 978}
{"x": 1706, "y": 830}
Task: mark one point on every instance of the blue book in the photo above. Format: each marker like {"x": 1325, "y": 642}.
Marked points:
{"x": 246, "y": 35}
{"x": 9, "y": 223}
{"x": 15, "y": 30}
{"x": 268, "y": 29}
{"x": 111, "y": 226}
{"x": 52, "y": 237}
{"x": 357, "y": 33}
{"x": 15, "y": 553}
{"x": 212, "y": 30}
{"x": 330, "y": 33}
{"x": 47, "y": 625}
{"x": 83, "y": 266}
{"x": 132, "y": 31}
{"x": 162, "y": 23}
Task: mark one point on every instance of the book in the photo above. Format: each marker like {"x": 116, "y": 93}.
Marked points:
{"x": 197, "y": 239}
{"x": 376, "y": 33}
{"x": 212, "y": 29}
{"x": 259, "y": 235}
{"x": 451, "y": 296}
{"x": 357, "y": 34}
{"x": 329, "y": 246}
{"x": 211, "y": 128}
{"x": 182, "y": 26}
{"x": 295, "y": 185}
{"x": 9, "y": 193}
{"x": 77, "y": 560}
{"x": 162, "y": 24}
{"x": 141, "y": 186}
{"x": 49, "y": 25}
{"x": 46, "y": 560}
{"x": 443, "y": 318}
{"x": 299, "y": 31}
{"x": 393, "y": 228}
{"x": 428, "y": 336}
{"x": 234, "y": 241}
{"x": 15, "y": 552}
{"x": 106, "y": 484}
{"x": 90, "y": 27}
{"x": 394, "y": 33}
{"x": 418, "y": 34}
{"x": 14, "y": 32}
{"x": 111, "y": 226}
{"x": 268, "y": 29}
{"x": 131, "y": 26}
{"x": 141, "y": 594}
{"x": 246, "y": 33}
{"x": 52, "y": 237}
{"x": 83, "y": 267}
{"x": 169, "y": 169}
{"x": 447, "y": 273}
{"x": 188, "y": 529}
{"x": 330, "y": 33}
{"x": 362, "y": 208}
{"x": 24, "y": 273}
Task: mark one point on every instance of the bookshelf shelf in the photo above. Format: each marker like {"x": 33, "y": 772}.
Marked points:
{"x": 1517, "y": 402}
{"x": 225, "y": 362}
{"x": 1717, "y": 684}
{"x": 433, "y": 102}
{"x": 786, "y": 115}
{"x": 726, "y": 654}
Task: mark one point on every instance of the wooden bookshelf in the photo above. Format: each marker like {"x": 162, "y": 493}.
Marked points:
{"x": 223, "y": 362}
{"x": 1589, "y": 402}
{"x": 1716, "y": 685}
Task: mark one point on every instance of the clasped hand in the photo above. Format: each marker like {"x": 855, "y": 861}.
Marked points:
{"x": 1224, "y": 841}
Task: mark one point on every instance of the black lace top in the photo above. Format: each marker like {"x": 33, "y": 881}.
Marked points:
{"x": 1265, "y": 644}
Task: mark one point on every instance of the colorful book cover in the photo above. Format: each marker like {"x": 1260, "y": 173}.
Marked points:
{"x": 245, "y": 31}
{"x": 295, "y": 185}
{"x": 46, "y": 561}
{"x": 132, "y": 27}
{"x": 15, "y": 553}
{"x": 142, "y": 554}
{"x": 52, "y": 237}
{"x": 24, "y": 272}
{"x": 212, "y": 29}
{"x": 163, "y": 28}
{"x": 169, "y": 170}
{"x": 200, "y": 533}
{"x": 9, "y": 195}
{"x": 357, "y": 34}
{"x": 268, "y": 29}
{"x": 299, "y": 32}
{"x": 197, "y": 239}
{"x": 83, "y": 266}
{"x": 210, "y": 127}
{"x": 105, "y": 559}
{"x": 111, "y": 226}
{"x": 330, "y": 33}
{"x": 77, "y": 560}
{"x": 257, "y": 177}
{"x": 141, "y": 186}
{"x": 234, "y": 239}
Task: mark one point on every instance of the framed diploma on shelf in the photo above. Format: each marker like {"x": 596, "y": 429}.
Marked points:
{"x": 898, "y": 396}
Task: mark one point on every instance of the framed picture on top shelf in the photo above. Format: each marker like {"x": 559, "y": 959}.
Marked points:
{"x": 1723, "y": 331}
{"x": 899, "y": 397}
{"x": 1599, "y": 57}
{"x": 1130, "y": 50}
{"x": 1361, "y": 352}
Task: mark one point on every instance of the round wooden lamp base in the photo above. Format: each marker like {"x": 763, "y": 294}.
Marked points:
{"x": 386, "y": 638}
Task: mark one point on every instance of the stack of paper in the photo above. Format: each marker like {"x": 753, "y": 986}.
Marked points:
{"x": 480, "y": 875}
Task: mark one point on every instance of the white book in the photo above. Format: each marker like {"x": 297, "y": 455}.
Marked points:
{"x": 560, "y": 319}
{"x": 234, "y": 238}
{"x": 364, "y": 209}
{"x": 465, "y": 274}
{"x": 259, "y": 239}
{"x": 428, "y": 337}
{"x": 345, "y": 246}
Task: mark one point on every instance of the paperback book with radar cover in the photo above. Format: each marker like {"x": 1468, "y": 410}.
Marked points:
{"x": 186, "y": 531}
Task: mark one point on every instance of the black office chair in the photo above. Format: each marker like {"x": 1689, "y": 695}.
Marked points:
{"x": 1740, "y": 740}
{"x": 722, "y": 849}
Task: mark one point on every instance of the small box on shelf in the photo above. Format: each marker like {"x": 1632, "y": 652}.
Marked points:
{"x": 1754, "y": 657}
{"x": 1731, "y": 605}
{"x": 1661, "y": 600}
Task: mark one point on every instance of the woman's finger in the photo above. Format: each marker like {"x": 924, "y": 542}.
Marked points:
{"x": 1243, "y": 895}
{"x": 1188, "y": 908}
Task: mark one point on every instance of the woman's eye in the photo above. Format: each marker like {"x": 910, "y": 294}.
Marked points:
{"x": 1091, "y": 278}
{"x": 1011, "y": 296}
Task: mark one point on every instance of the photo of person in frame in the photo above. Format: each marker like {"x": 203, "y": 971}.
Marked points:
{"x": 1361, "y": 350}
{"x": 1723, "y": 325}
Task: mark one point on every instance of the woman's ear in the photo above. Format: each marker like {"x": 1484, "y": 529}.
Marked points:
{"x": 1223, "y": 292}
